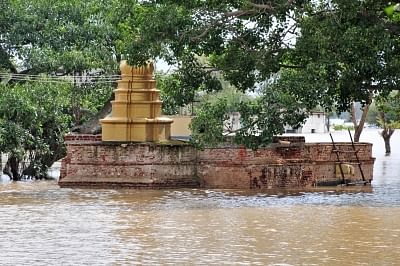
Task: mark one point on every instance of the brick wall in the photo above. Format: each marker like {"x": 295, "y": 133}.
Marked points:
{"x": 92, "y": 163}
{"x": 276, "y": 166}
{"x": 282, "y": 165}
{"x": 324, "y": 161}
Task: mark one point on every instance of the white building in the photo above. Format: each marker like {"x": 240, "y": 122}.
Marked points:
{"x": 315, "y": 123}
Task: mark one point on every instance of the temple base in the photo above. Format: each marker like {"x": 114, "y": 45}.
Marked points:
{"x": 148, "y": 130}
{"x": 93, "y": 163}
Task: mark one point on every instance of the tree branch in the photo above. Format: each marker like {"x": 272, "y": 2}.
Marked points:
{"x": 269, "y": 7}
{"x": 353, "y": 115}
{"x": 239, "y": 13}
{"x": 290, "y": 66}
{"x": 220, "y": 21}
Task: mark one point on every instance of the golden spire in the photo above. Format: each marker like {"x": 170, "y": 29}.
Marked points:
{"x": 144, "y": 71}
{"x": 136, "y": 109}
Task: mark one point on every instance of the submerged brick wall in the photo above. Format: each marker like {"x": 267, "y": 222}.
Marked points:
{"x": 282, "y": 166}
{"x": 276, "y": 166}
{"x": 324, "y": 161}
{"x": 92, "y": 163}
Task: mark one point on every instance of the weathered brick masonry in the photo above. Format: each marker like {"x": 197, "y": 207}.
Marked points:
{"x": 92, "y": 163}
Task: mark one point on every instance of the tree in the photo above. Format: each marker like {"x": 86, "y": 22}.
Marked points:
{"x": 32, "y": 127}
{"x": 66, "y": 37}
{"x": 62, "y": 38}
{"x": 388, "y": 117}
{"x": 344, "y": 51}
{"x": 373, "y": 113}
{"x": 359, "y": 124}
{"x": 181, "y": 87}
{"x": 242, "y": 41}
{"x": 261, "y": 118}
{"x": 349, "y": 44}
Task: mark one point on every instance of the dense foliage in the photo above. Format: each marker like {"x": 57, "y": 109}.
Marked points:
{"x": 33, "y": 120}
{"x": 49, "y": 38}
{"x": 64, "y": 36}
{"x": 243, "y": 39}
{"x": 390, "y": 106}
{"x": 349, "y": 45}
{"x": 327, "y": 53}
{"x": 261, "y": 118}
{"x": 242, "y": 42}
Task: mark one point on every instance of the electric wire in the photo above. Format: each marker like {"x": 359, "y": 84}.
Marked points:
{"x": 77, "y": 79}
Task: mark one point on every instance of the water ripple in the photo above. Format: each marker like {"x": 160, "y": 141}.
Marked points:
{"x": 41, "y": 224}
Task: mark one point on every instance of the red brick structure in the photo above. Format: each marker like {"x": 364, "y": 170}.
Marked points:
{"x": 288, "y": 164}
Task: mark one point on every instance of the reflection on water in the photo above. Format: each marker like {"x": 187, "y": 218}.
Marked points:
{"x": 42, "y": 224}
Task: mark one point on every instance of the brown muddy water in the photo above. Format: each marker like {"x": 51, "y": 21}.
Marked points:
{"x": 41, "y": 224}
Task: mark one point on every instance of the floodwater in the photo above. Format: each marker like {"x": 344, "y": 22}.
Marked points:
{"x": 41, "y": 224}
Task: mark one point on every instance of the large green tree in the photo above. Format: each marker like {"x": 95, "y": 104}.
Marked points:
{"x": 328, "y": 53}
{"x": 33, "y": 120}
{"x": 65, "y": 36}
{"x": 55, "y": 38}
{"x": 352, "y": 47}
{"x": 241, "y": 41}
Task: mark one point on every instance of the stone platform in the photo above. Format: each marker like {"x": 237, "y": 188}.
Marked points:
{"x": 290, "y": 163}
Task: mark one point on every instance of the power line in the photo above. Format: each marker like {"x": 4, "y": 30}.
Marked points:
{"x": 79, "y": 79}
{"x": 56, "y": 76}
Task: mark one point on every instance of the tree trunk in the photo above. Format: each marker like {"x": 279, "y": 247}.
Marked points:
{"x": 387, "y": 145}
{"x": 328, "y": 124}
{"x": 75, "y": 100}
{"x": 92, "y": 126}
{"x": 11, "y": 168}
{"x": 7, "y": 61}
{"x": 358, "y": 127}
{"x": 357, "y": 133}
{"x": 386, "y": 133}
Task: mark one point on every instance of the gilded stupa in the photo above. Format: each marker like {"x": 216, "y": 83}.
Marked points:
{"x": 136, "y": 110}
